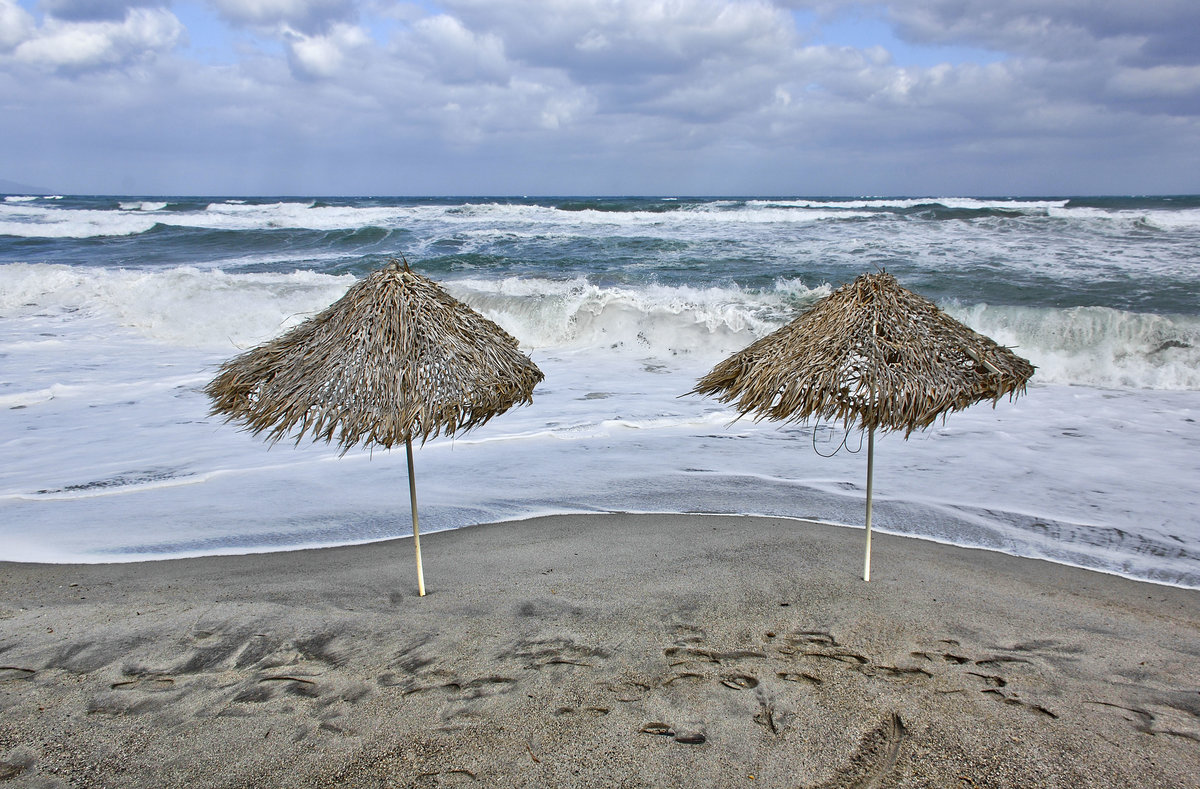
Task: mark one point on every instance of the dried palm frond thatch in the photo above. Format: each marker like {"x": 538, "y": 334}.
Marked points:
{"x": 871, "y": 352}
{"x": 396, "y": 358}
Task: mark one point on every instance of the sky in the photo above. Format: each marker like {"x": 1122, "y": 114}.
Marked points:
{"x": 601, "y": 97}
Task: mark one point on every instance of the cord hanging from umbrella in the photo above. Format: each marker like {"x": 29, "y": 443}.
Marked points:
{"x": 871, "y": 353}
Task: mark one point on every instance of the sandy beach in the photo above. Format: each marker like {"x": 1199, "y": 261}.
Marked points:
{"x": 595, "y": 651}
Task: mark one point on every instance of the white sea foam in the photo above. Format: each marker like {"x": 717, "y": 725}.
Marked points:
{"x": 116, "y": 458}
{"x": 913, "y": 202}
{"x": 1096, "y": 346}
{"x": 185, "y": 306}
{"x": 33, "y": 220}
{"x": 28, "y": 398}
{"x": 208, "y": 309}
{"x": 1188, "y": 219}
{"x": 304, "y": 216}
{"x": 702, "y": 216}
{"x": 25, "y": 220}
{"x": 661, "y": 319}
{"x": 92, "y": 391}
{"x": 128, "y": 442}
{"x": 143, "y": 205}
{"x": 1178, "y": 219}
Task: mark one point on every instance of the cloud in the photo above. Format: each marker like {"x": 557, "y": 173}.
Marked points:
{"x": 327, "y": 55}
{"x": 453, "y": 54}
{"x": 599, "y": 95}
{"x": 1171, "y": 90}
{"x": 306, "y": 16}
{"x": 92, "y": 10}
{"x": 1145, "y": 33}
{"x": 629, "y": 66}
{"x": 1125, "y": 57}
{"x": 608, "y": 40}
{"x": 16, "y": 25}
{"x": 1107, "y": 55}
{"x": 79, "y": 46}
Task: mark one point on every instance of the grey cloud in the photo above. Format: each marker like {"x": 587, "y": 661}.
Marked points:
{"x": 1178, "y": 45}
{"x": 1111, "y": 54}
{"x": 1166, "y": 90}
{"x": 579, "y": 96}
{"x": 1145, "y": 33}
{"x": 309, "y": 17}
{"x": 1139, "y": 33}
{"x": 716, "y": 92}
{"x": 606, "y": 41}
{"x": 636, "y": 62}
{"x": 94, "y": 10}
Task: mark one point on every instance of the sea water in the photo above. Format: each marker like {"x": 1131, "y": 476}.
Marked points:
{"x": 114, "y": 313}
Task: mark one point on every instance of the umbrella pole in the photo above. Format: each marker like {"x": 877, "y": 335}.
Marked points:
{"x": 870, "y": 486}
{"x": 412, "y": 497}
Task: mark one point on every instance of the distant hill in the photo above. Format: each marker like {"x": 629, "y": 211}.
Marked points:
{"x": 14, "y": 188}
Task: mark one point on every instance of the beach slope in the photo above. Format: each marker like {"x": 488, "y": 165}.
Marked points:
{"x": 594, "y": 651}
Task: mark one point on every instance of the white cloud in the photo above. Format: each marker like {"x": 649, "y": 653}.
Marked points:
{"x": 307, "y": 16}
{"x": 16, "y": 25}
{"x": 606, "y": 40}
{"x": 693, "y": 61}
{"x": 454, "y": 54}
{"x": 87, "y": 45}
{"x": 592, "y": 94}
{"x": 325, "y": 56}
{"x": 559, "y": 111}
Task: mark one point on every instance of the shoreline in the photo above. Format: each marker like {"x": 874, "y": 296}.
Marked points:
{"x": 875, "y": 530}
{"x": 599, "y": 650}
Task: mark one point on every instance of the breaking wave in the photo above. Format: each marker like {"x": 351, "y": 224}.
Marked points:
{"x": 1091, "y": 346}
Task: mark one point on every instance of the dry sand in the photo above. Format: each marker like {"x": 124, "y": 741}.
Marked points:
{"x": 596, "y": 651}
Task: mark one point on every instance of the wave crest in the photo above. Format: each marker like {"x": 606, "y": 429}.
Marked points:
{"x": 187, "y": 306}
{"x": 658, "y": 319}
{"x": 36, "y": 218}
{"x": 183, "y": 306}
{"x": 1095, "y": 346}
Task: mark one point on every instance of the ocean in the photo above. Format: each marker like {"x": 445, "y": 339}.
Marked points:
{"x": 115, "y": 311}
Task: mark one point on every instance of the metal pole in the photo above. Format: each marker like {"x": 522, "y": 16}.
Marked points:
{"x": 412, "y": 496}
{"x": 870, "y": 486}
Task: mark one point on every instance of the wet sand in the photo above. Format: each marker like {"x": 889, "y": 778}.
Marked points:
{"x": 597, "y": 651}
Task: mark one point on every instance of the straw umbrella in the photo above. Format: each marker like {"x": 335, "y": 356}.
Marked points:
{"x": 874, "y": 353}
{"x": 395, "y": 358}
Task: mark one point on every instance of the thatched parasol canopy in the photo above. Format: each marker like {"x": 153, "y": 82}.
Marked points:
{"x": 395, "y": 358}
{"x": 874, "y": 353}
{"x": 871, "y": 352}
